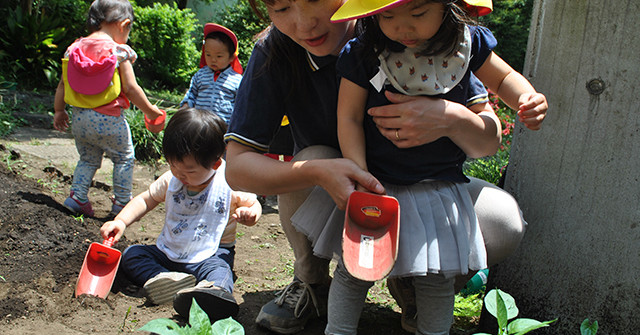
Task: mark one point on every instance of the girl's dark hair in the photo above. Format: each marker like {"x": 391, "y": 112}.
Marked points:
{"x": 224, "y": 38}
{"x": 195, "y": 132}
{"x": 445, "y": 41}
{"x": 108, "y": 11}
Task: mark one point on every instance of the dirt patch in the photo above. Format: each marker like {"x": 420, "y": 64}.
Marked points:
{"x": 43, "y": 246}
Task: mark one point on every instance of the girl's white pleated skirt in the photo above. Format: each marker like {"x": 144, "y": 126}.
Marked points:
{"x": 439, "y": 231}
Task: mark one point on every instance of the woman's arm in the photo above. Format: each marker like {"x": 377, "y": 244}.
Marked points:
{"x": 352, "y": 100}
{"x": 250, "y": 171}
{"x": 420, "y": 120}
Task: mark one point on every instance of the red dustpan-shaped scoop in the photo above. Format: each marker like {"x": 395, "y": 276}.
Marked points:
{"x": 98, "y": 269}
{"x": 370, "y": 236}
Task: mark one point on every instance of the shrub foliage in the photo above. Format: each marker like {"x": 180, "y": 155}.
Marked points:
{"x": 167, "y": 56}
{"x": 509, "y": 22}
{"x": 33, "y": 40}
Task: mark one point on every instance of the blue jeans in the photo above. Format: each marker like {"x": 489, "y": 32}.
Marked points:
{"x": 143, "y": 262}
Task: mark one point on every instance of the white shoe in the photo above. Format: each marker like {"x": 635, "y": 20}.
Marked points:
{"x": 163, "y": 287}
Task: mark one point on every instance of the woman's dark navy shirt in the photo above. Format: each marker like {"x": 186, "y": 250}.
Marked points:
{"x": 266, "y": 94}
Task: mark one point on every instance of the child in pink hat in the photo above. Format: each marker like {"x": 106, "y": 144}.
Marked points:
{"x": 214, "y": 86}
{"x": 98, "y": 81}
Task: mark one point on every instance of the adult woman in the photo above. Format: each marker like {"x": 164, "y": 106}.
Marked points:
{"x": 292, "y": 72}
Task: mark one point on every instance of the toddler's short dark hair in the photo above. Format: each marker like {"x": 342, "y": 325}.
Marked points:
{"x": 194, "y": 132}
{"x": 108, "y": 11}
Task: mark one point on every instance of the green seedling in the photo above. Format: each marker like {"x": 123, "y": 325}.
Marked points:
{"x": 588, "y": 328}
{"x": 199, "y": 324}
{"x": 503, "y": 307}
{"x": 79, "y": 218}
{"x": 126, "y": 315}
{"x": 11, "y": 162}
{"x": 4, "y": 280}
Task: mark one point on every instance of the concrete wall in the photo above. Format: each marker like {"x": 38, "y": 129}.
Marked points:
{"x": 577, "y": 179}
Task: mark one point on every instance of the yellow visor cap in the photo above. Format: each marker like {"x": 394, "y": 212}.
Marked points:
{"x": 355, "y": 9}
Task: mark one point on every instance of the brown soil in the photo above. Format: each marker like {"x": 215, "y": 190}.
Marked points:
{"x": 43, "y": 246}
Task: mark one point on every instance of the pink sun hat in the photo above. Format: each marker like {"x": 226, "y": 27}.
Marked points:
{"x": 355, "y": 9}
{"x": 370, "y": 235}
{"x": 212, "y": 27}
{"x": 86, "y": 76}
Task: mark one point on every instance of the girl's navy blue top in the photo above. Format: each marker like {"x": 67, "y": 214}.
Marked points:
{"x": 439, "y": 160}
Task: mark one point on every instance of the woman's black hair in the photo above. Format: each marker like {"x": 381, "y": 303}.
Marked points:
{"x": 445, "y": 41}
{"x": 108, "y": 11}
{"x": 197, "y": 133}
{"x": 224, "y": 39}
{"x": 285, "y": 55}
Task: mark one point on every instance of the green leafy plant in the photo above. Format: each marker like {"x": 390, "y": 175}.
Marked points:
{"x": 161, "y": 36}
{"x": 491, "y": 168}
{"x": 466, "y": 311}
{"x": 199, "y": 324}
{"x": 509, "y": 22}
{"x": 588, "y": 328}
{"x": 503, "y": 307}
{"x": 240, "y": 18}
{"x": 30, "y": 43}
{"x": 147, "y": 145}
{"x": 79, "y": 218}
{"x": 8, "y": 122}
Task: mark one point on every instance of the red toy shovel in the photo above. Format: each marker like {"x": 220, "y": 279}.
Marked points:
{"x": 370, "y": 235}
{"x": 98, "y": 269}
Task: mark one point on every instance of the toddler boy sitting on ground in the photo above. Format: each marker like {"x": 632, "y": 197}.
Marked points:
{"x": 196, "y": 244}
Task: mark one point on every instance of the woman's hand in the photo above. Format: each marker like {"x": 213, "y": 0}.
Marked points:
{"x": 252, "y": 172}
{"x": 410, "y": 121}
{"x": 340, "y": 176}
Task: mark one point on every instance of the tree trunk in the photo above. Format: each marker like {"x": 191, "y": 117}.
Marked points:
{"x": 577, "y": 179}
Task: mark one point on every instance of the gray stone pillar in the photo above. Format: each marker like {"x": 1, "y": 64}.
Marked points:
{"x": 577, "y": 180}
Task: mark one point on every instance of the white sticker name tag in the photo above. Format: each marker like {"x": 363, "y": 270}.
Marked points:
{"x": 365, "y": 258}
{"x": 378, "y": 80}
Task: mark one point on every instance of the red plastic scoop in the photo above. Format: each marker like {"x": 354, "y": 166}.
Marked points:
{"x": 98, "y": 269}
{"x": 370, "y": 235}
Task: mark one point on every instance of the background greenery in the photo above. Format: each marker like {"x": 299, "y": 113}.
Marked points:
{"x": 168, "y": 37}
